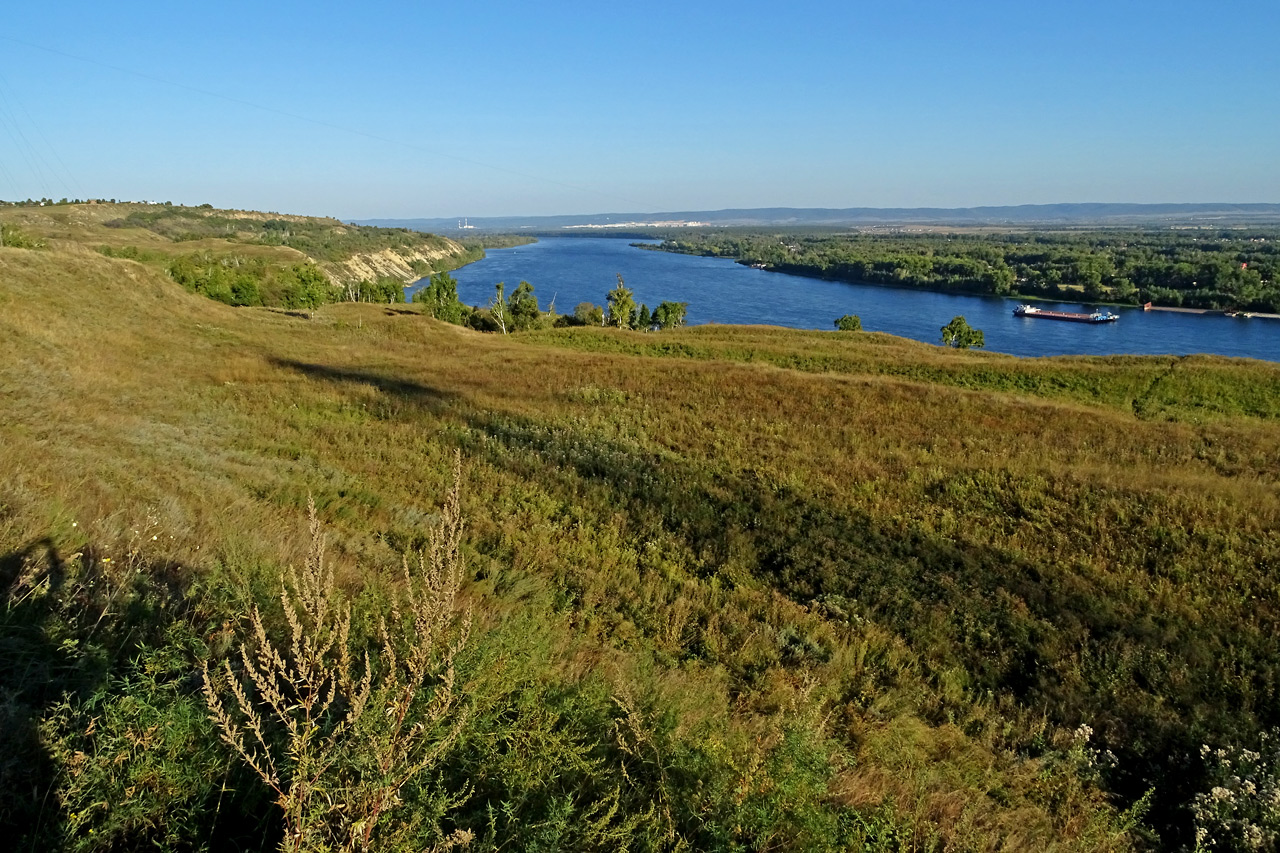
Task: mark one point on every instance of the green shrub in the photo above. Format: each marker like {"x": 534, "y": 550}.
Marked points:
{"x": 13, "y": 237}
{"x": 440, "y": 297}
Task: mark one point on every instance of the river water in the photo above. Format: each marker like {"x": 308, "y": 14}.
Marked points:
{"x": 584, "y": 269}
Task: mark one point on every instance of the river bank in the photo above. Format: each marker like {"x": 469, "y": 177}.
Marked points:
{"x": 571, "y": 270}
{"x": 1218, "y": 271}
{"x": 1243, "y": 315}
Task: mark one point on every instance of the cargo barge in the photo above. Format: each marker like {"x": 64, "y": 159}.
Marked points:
{"x": 1069, "y": 316}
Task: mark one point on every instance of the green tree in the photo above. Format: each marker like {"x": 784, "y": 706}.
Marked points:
{"x": 523, "y": 307}
{"x": 588, "y": 314}
{"x": 849, "y": 323}
{"x": 1125, "y": 291}
{"x": 644, "y": 320}
{"x": 670, "y": 315}
{"x": 1001, "y": 279}
{"x": 959, "y": 334}
{"x": 621, "y": 305}
{"x": 384, "y": 290}
{"x": 306, "y": 287}
{"x": 440, "y": 299}
{"x": 245, "y": 291}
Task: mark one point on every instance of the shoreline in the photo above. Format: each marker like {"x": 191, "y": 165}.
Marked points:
{"x": 962, "y": 291}
{"x": 1250, "y": 315}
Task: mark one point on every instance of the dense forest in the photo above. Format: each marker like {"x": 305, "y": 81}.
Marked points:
{"x": 1209, "y": 269}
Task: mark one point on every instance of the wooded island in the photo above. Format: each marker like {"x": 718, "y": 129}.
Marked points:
{"x": 1228, "y": 269}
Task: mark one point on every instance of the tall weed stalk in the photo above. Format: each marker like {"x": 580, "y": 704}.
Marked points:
{"x": 336, "y": 731}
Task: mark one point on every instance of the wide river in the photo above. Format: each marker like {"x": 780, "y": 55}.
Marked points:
{"x": 584, "y": 269}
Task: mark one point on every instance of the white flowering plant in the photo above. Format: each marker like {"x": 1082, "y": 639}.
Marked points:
{"x": 1241, "y": 808}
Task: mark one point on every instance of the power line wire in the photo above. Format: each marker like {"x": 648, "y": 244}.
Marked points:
{"x": 22, "y": 145}
{"x": 74, "y": 188}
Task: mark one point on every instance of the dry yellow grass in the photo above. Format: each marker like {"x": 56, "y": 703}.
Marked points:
{"x": 125, "y": 397}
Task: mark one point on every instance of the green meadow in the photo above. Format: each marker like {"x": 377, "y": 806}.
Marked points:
{"x": 711, "y": 588}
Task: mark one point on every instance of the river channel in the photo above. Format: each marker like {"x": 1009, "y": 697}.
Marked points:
{"x": 571, "y": 270}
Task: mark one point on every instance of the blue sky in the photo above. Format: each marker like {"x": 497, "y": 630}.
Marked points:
{"x": 398, "y": 109}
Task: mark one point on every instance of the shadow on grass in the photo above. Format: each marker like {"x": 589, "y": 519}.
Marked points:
{"x": 1015, "y": 626}
{"x": 82, "y": 641}
{"x": 28, "y": 660}
{"x": 1049, "y": 634}
{"x": 432, "y": 399}
{"x": 291, "y": 312}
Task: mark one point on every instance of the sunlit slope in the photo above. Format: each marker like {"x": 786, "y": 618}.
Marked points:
{"x": 159, "y": 234}
{"x": 934, "y": 552}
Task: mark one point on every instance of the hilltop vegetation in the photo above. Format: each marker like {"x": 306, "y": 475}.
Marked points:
{"x": 729, "y": 588}
{"x": 247, "y": 258}
{"x": 319, "y": 239}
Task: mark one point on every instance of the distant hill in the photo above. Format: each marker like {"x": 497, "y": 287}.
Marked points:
{"x": 1026, "y": 214}
{"x": 238, "y": 256}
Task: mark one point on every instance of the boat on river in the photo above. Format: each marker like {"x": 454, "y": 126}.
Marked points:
{"x": 1070, "y": 316}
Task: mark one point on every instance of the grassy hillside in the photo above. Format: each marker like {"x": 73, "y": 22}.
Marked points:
{"x": 209, "y": 250}
{"x": 730, "y": 589}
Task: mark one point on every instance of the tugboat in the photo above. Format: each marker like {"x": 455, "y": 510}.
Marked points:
{"x": 1069, "y": 316}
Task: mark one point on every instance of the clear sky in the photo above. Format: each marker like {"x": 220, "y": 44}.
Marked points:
{"x": 404, "y": 109}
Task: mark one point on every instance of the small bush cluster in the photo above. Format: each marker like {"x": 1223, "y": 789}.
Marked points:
{"x": 237, "y": 280}
{"x": 13, "y": 237}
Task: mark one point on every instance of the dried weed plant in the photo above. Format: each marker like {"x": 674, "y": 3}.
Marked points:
{"x": 338, "y": 734}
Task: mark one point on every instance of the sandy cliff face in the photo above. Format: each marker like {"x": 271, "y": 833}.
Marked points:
{"x": 394, "y": 263}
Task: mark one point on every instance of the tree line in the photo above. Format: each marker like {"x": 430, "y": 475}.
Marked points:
{"x": 520, "y": 310}
{"x": 247, "y": 281}
{"x": 1216, "y": 270}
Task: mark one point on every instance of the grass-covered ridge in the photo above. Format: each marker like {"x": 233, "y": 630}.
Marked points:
{"x": 1191, "y": 388}
{"x": 245, "y": 257}
{"x": 730, "y": 588}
